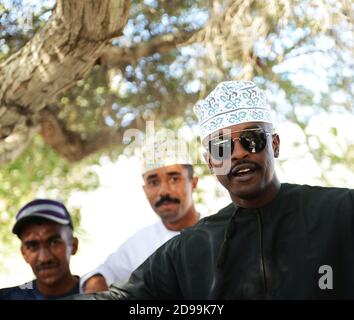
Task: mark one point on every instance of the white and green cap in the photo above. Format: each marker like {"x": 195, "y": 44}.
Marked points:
{"x": 163, "y": 150}
{"x": 231, "y": 103}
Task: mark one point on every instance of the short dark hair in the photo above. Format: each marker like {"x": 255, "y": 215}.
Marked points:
{"x": 190, "y": 170}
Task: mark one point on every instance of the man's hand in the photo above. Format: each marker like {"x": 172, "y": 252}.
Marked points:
{"x": 95, "y": 284}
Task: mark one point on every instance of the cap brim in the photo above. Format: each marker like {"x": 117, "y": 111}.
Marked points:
{"x": 25, "y": 220}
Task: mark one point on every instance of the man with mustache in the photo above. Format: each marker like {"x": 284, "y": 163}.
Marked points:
{"x": 169, "y": 183}
{"x": 274, "y": 241}
{"x": 45, "y": 229}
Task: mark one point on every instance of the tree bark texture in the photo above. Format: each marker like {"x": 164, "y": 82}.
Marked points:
{"x": 60, "y": 54}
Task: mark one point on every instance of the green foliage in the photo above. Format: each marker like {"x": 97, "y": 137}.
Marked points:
{"x": 19, "y": 21}
{"x": 40, "y": 172}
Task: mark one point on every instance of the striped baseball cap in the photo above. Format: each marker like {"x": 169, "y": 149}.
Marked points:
{"x": 42, "y": 208}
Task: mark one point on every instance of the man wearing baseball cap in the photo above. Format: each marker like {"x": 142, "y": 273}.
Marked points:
{"x": 168, "y": 183}
{"x": 45, "y": 229}
{"x": 274, "y": 241}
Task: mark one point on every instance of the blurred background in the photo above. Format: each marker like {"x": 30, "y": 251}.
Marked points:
{"x": 70, "y": 146}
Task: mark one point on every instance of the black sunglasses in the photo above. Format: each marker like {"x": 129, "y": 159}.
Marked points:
{"x": 252, "y": 140}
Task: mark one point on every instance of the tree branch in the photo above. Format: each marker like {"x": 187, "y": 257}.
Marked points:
{"x": 120, "y": 57}
{"x": 71, "y": 145}
{"x": 61, "y": 53}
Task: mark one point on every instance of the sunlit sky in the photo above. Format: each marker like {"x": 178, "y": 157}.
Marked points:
{"x": 119, "y": 208}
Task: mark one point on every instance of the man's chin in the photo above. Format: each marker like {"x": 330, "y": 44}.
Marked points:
{"x": 167, "y": 209}
{"x": 48, "y": 278}
{"x": 245, "y": 192}
{"x": 48, "y": 281}
{"x": 168, "y": 215}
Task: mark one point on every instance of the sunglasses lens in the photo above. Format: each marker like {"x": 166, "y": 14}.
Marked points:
{"x": 253, "y": 141}
{"x": 221, "y": 148}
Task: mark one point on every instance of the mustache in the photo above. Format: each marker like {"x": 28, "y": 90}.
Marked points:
{"x": 243, "y": 161}
{"x": 166, "y": 199}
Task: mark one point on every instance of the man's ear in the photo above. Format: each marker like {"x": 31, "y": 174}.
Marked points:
{"x": 276, "y": 145}
{"x": 74, "y": 246}
{"x": 194, "y": 182}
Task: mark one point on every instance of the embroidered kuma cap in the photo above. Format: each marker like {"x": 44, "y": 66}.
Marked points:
{"x": 42, "y": 208}
{"x": 231, "y": 103}
{"x": 162, "y": 150}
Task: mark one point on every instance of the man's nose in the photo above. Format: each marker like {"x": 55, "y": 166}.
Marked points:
{"x": 239, "y": 151}
{"x": 44, "y": 254}
{"x": 164, "y": 188}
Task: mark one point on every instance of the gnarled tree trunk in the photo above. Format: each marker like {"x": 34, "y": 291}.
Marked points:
{"x": 60, "y": 54}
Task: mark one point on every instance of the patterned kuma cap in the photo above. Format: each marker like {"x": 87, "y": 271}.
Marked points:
{"x": 231, "y": 103}
{"x": 163, "y": 150}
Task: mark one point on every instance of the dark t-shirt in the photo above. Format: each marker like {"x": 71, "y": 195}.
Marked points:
{"x": 29, "y": 291}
